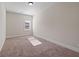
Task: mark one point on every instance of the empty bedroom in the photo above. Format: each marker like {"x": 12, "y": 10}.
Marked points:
{"x": 39, "y": 29}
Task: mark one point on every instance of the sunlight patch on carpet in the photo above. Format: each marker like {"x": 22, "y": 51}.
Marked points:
{"x": 34, "y": 41}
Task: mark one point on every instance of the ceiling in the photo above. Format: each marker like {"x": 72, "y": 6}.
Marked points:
{"x": 23, "y": 7}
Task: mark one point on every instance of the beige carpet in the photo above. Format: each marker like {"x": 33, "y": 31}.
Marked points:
{"x": 21, "y": 47}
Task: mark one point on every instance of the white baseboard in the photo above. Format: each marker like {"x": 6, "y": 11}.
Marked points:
{"x": 76, "y": 49}
{"x": 2, "y": 45}
{"x": 17, "y": 36}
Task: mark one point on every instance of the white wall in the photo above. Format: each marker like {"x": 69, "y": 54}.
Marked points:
{"x": 59, "y": 24}
{"x": 2, "y": 24}
{"x": 15, "y": 24}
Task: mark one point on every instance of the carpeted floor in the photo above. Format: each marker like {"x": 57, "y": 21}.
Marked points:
{"x": 21, "y": 47}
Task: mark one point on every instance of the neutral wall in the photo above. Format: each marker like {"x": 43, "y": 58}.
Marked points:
{"x": 59, "y": 24}
{"x": 2, "y": 24}
{"x": 15, "y": 24}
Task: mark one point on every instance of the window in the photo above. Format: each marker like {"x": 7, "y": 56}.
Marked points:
{"x": 27, "y": 24}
